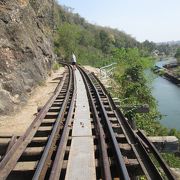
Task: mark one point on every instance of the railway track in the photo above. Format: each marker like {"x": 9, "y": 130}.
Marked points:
{"x": 119, "y": 152}
{"x": 31, "y": 156}
{"x": 127, "y": 154}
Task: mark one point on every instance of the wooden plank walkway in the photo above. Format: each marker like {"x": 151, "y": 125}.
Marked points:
{"x": 81, "y": 163}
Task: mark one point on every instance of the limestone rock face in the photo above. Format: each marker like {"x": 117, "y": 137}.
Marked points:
{"x": 26, "y": 53}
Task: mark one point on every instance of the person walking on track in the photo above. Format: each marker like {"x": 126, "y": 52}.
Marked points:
{"x": 73, "y": 60}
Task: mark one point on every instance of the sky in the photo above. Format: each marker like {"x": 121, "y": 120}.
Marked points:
{"x": 153, "y": 20}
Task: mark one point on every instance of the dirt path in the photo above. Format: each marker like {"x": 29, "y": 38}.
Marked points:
{"x": 17, "y": 124}
{"x": 93, "y": 69}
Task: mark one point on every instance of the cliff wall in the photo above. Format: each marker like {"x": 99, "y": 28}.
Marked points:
{"x": 26, "y": 53}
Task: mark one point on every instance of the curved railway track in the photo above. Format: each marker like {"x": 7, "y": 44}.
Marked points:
{"x": 126, "y": 155}
{"x": 120, "y": 152}
{"x": 32, "y": 154}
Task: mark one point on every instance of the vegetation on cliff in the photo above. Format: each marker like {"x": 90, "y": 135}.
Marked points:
{"x": 134, "y": 89}
{"x": 92, "y": 44}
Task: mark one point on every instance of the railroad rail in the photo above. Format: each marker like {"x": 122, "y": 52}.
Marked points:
{"x": 120, "y": 152}
{"x": 126, "y": 154}
{"x": 31, "y": 156}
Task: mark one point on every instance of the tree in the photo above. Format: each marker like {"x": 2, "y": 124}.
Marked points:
{"x": 66, "y": 40}
{"x": 105, "y": 41}
{"x": 133, "y": 88}
{"x": 177, "y": 55}
{"x": 148, "y": 46}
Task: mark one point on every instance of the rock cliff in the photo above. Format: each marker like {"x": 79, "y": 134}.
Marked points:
{"x": 26, "y": 52}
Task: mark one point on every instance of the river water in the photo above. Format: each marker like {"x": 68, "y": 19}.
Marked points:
{"x": 168, "y": 96}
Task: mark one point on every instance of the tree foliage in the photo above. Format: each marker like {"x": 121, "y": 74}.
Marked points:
{"x": 177, "y": 55}
{"x": 91, "y": 43}
{"x": 134, "y": 89}
{"x": 66, "y": 40}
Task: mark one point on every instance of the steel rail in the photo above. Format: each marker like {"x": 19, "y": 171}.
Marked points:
{"x": 58, "y": 162}
{"x": 106, "y": 172}
{"x": 123, "y": 173}
{"x": 157, "y": 155}
{"x": 147, "y": 165}
{"x": 10, "y": 159}
{"x": 45, "y": 160}
{"x": 142, "y": 156}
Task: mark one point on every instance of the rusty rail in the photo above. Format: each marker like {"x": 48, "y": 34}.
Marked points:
{"x": 58, "y": 162}
{"x": 16, "y": 151}
{"x": 148, "y": 167}
{"x": 120, "y": 151}
{"x": 123, "y": 173}
{"x": 106, "y": 172}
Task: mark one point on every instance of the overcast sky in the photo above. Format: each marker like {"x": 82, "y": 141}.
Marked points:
{"x": 155, "y": 20}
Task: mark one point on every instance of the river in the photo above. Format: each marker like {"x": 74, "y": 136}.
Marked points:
{"x": 168, "y": 96}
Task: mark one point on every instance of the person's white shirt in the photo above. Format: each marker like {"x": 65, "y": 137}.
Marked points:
{"x": 73, "y": 58}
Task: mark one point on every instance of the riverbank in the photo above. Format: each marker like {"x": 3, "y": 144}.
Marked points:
{"x": 171, "y": 71}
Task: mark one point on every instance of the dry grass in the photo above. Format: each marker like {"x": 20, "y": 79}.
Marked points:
{"x": 23, "y": 2}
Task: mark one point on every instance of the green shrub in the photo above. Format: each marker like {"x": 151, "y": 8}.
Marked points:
{"x": 55, "y": 66}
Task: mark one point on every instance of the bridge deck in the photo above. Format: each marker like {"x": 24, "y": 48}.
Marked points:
{"x": 81, "y": 163}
